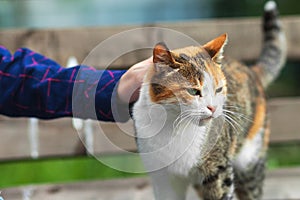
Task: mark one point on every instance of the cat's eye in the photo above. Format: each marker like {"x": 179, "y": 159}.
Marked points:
{"x": 218, "y": 90}
{"x": 194, "y": 92}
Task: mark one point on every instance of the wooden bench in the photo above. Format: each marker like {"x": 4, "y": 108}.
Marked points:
{"x": 58, "y": 138}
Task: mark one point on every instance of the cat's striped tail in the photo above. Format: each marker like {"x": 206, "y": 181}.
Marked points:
{"x": 273, "y": 55}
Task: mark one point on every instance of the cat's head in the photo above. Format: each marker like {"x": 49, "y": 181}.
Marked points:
{"x": 190, "y": 77}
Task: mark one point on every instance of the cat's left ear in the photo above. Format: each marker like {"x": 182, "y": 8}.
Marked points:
{"x": 161, "y": 54}
{"x": 215, "y": 48}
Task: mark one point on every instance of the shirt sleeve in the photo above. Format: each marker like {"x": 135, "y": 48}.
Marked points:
{"x": 32, "y": 85}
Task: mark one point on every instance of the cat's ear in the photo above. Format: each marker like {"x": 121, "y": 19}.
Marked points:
{"x": 215, "y": 48}
{"x": 161, "y": 54}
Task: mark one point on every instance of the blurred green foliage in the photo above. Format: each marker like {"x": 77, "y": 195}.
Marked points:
{"x": 247, "y": 8}
{"x": 288, "y": 82}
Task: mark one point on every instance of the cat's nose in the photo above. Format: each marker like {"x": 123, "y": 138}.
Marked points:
{"x": 211, "y": 108}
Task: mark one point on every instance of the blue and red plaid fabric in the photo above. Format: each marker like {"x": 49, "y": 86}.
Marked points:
{"x": 32, "y": 85}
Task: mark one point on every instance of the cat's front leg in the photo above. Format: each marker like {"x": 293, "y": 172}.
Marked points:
{"x": 167, "y": 186}
{"x": 217, "y": 183}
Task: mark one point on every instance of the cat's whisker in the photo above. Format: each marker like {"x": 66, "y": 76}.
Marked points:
{"x": 184, "y": 115}
{"x": 232, "y": 106}
{"x": 238, "y": 115}
{"x": 180, "y": 116}
{"x": 188, "y": 122}
{"x": 236, "y": 108}
{"x": 180, "y": 119}
{"x": 234, "y": 122}
{"x": 232, "y": 125}
{"x": 241, "y": 116}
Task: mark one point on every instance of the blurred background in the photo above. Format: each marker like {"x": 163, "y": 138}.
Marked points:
{"x": 96, "y": 13}
{"x": 75, "y": 13}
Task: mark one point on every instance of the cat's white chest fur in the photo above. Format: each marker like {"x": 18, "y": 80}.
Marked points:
{"x": 160, "y": 146}
{"x": 188, "y": 145}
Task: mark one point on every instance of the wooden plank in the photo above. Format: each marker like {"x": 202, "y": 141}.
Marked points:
{"x": 58, "y": 138}
{"x": 285, "y": 122}
{"x": 279, "y": 184}
{"x": 55, "y": 138}
{"x": 59, "y": 44}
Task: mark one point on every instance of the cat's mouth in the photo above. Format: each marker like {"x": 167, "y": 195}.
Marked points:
{"x": 203, "y": 121}
{"x": 207, "y": 118}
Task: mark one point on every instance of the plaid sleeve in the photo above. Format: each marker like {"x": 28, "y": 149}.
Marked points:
{"x": 32, "y": 85}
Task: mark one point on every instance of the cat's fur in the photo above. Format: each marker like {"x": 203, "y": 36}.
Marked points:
{"x": 182, "y": 135}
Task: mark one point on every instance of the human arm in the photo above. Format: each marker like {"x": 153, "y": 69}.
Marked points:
{"x": 32, "y": 85}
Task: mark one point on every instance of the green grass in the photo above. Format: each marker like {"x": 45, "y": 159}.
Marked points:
{"x": 284, "y": 155}
{"x": 57, "y": 170}
{"x": 88, "y": 168}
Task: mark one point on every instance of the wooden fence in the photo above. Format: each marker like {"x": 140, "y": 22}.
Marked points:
{"x": 59, "y": 44}
{"x": 58, "y": 138}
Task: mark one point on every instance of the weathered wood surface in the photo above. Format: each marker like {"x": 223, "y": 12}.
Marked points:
{"x": 59, "y": 138}
{"x": 285, "y": 121}
{"x": 59, "y": 44}
{"x": 279, "y": 184}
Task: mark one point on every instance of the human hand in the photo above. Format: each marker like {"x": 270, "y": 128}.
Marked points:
{"x": 131, "y": 81}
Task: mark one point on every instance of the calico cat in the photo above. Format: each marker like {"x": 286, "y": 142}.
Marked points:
{"x": 201, "y": 119}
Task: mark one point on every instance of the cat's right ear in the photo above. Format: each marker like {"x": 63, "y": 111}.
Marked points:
{"x": 215, "y": 48}
{"x": 161, "y": 54}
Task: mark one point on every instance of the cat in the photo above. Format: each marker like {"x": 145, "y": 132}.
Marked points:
{"x": 201, "y": 118}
